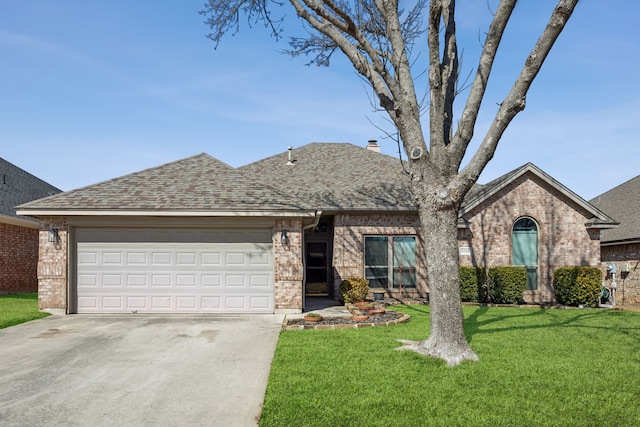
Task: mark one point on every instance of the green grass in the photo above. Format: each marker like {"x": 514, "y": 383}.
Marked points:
{"x": 537, "y": 367}
{"x": 19, "y": 308}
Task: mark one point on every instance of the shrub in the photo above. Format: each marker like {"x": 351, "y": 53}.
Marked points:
{"x": 578, "y": 285}
{"x": 354, "y": 289}
{"x": 506, "y": 284}
{"x": 472, "y": 281}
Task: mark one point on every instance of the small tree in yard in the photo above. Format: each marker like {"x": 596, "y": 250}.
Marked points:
{"x": 378, "y": 37}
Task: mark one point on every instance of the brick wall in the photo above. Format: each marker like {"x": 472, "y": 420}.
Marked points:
{"x": 289, "y": 271}
{"x": 18, "y": 259}
{"x": 348, "y": 246}
{"x": 628, "y": 291}
{"x": 563, "y": 239}
{"x": 52, "y": 266}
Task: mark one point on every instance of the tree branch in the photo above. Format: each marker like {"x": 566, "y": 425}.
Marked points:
{"x": 516, "y": 99}
{"x": 467, "y": 122}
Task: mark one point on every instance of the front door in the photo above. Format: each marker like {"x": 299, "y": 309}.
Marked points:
{"x": 317, "y": 269}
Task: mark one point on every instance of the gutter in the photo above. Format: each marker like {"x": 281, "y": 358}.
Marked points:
{"x": 124, "y": 212}
{"x": 304, "y": 258}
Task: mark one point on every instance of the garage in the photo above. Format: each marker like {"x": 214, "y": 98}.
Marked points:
{"x": 158, "y": 270}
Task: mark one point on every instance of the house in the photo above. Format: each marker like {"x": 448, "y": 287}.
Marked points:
{"x": 19, "y": 234}
{"x": 199, "y": 236}
{"x": 620, "y": 247}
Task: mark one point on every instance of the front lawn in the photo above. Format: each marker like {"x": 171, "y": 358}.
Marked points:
{"x": 537, "y": 367}
{"x": 19, "y": 308}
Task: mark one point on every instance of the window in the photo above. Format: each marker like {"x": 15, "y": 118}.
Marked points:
{"x": 390, "y": 261}
{"x": 524, "y": 249}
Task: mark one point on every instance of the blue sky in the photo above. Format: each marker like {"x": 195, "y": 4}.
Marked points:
{"x": 91, "y": 90}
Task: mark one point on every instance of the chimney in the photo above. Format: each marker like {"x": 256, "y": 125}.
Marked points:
{"x": 290, "y": 161}
{"x": 373, "y": 145}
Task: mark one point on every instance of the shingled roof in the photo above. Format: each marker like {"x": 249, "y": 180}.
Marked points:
{"x": 330, "y": 177}
{"x": 336, "y": 176}
{"x": 596, "y": 217}
{"x": 17, "y": 187}
{"x": 198, "y": 183}
{"x": 623, "y": 204}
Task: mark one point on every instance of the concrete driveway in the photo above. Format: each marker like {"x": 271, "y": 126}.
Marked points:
{"x": 136, "y": 370}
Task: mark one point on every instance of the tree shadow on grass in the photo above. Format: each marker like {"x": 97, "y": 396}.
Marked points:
{"x": 479, "y": 323}
{"x": 492, "y": 320}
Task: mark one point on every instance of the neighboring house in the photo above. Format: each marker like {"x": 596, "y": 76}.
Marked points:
{"x": 197, "y": 235}
{"x": 621, "y": 246}
{"x": 19, "y": 234}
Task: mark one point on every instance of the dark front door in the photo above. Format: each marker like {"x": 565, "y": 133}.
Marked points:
{"x": 317, "y": 269}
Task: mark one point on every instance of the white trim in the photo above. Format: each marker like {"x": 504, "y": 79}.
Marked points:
{"x": 21, "y": 222}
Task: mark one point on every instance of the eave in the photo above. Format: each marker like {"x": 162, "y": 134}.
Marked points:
{"x": 165, "y": 213}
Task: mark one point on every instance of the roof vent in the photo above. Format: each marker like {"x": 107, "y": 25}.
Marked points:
{"x": 290, "y": 161}
{"x": 373, "y": 145}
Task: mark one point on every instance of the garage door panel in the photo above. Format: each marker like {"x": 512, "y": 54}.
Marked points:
{"x": 187, "y": 303}
{"x": 137, "y": 258}
{"x": 160, "y": 258}
{"x": 90, "y": 303}
{"x": 161, "y": 280}
{"x": 115, "y": 302}
{"x": 211, "y": 280}
{"x": 121, "y": 277}
{"x": 132, "y": 302}
{"x": 186, "y": 280}
{"x": 137, "y": 280}
{"x": 88, "y": 258}
{"x": 235, "y": 281}
{"x": 235, "y": 258}
{"x": 260, "y": 302}
{"x": 111, "y": 280}
{"x": 88, "y": 280}
{"x": 186, "y": 258}
{"x": 112, "y": 258}
{"x": 211, "y": 259}
{"x": 260, "y": 281}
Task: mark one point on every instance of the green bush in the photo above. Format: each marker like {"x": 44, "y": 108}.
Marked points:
{"x": 472, "y": 281}
{"x": 578, "y": 285}
{"x": 506, "y": 285}
{"x": 354, "y": 289}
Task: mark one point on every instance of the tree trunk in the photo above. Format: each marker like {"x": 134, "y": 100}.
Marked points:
{"x": 446, "y": 339}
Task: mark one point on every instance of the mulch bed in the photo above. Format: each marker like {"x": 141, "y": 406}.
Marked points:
{"x": 386, "y": 319}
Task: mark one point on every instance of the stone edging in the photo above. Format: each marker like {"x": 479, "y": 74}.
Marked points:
{"x": 358, "y": 325}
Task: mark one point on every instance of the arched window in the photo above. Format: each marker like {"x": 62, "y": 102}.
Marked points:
{"x": 524, "y": 249}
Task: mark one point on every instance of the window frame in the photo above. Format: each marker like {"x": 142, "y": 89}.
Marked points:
{"x": 391, "y": 265}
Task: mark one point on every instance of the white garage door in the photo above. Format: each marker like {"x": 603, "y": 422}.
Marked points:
{"x": 225, "y": 274}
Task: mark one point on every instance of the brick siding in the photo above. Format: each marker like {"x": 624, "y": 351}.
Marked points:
{"x": 348, "y": 246}
{"x": 563, "y": 239}
{"x": 628, "y": 291}
{"x": 289, "y": 271}
{"x": 18, "y": 259}
{"x": 52, "y": 266}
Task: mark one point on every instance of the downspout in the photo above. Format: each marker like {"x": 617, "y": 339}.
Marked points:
{"x": 304, "y": 258}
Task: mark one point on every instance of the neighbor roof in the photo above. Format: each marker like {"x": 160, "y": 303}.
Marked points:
{"x": 195, "y": 184}
{"x": 337, "y": 176}
{"x": 18, "y": 186}
{"x": 622, "y": 203}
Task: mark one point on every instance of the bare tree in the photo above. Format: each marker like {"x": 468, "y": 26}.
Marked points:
{"x": 379, "y": 38}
